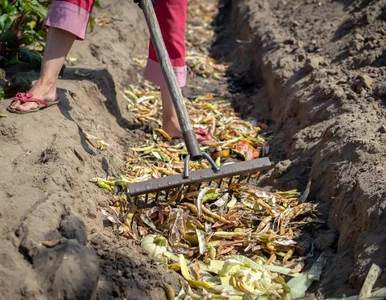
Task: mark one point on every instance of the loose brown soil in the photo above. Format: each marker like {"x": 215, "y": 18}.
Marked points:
{"x": 315, "y": 70}
{"x": 46, "y": 164}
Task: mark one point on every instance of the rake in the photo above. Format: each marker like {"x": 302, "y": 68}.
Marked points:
{"x": 183, "y": 182}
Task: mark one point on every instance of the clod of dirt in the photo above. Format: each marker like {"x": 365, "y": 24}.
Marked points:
{"x": 363, "y": 81}
{"x": 359, "y": 37}
{"x": 326, "y": 240}
{"x": 68, "y": 271}
{"x": 48, "y": 155}
{"x": 8, "y": 131}
{"x": 73, "y": 227}
{"x": 321, "y": 74}
{"x": 380, "y": 89}
{"x": 281, "y": 168}
{"x": 354, "y": 47}
{"x": 313, "y": 63}
{"x": 382, "y": 129}
{"x": 303, "y": 247}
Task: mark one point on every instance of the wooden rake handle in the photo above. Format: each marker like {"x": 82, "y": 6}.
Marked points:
{"x": 171, "y": 80}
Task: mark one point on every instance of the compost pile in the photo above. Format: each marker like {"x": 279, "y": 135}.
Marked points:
{"x": 228, "y": 238}
{"x": 211, "y": 223}
{"x": 231, "y": 233}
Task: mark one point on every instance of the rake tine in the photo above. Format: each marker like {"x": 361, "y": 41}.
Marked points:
{"x": 219, "y": 183}
{"x": 209, "y": 183}
{"x": 188, "y": 189}
{"x": 249, "y": 177}
{"x": 146, "y": 198}
{"x": 240, "y": 178}
{"x": 186, "y": 166}
{"x": 230, "y": 192}
{"x": 179, "y": 192}
{"x": 167, "y": 194}
{"x": 156, "y": 197}
{"x": 230, "y": 181}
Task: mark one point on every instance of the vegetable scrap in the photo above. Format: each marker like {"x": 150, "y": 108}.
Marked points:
{"x": 156, "y": 245}
{"x": 100, "y": 144}
{"x": 200, "y": 34}
{"x": 104, "y": 21}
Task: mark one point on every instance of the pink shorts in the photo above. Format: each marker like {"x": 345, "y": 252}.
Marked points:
{"x": 73, "y": 16}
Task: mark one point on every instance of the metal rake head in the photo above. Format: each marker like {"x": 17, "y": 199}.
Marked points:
{"x": 183, "y": 182}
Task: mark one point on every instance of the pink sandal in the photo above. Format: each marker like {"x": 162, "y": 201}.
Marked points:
{"x": 26, "y": 97}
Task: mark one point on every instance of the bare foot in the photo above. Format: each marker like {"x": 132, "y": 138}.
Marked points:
{"x": 171, "y": 126}
{"x": 58, "y": 45}
{"x": 44, "y": 91}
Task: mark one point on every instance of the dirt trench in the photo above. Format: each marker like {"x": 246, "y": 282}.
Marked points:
{"x": 316, "y": 71}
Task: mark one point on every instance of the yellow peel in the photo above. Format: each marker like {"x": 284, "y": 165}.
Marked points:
{"x": 170, "y": 294}
{"x": 203, "y": 284}
{"x": 184, "y": 268}
{"x": 163, "y": 133}
{"x": 143, "y": 148}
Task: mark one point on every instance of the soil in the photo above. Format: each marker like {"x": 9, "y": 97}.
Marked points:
{"x": 314, "y": 70}
{"x": 46, "y": 164}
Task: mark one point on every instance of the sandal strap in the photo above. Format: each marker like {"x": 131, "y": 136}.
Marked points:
{"x": 27, "y": 97}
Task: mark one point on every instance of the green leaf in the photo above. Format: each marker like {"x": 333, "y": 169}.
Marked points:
{"x": 18, "y": 83}
{"x": 28, "y": 37}
{"x": 41, "y": 35}
{"x": 91, "y": 23}
{"x": 210, "y": 196}
{"x": 156, "y": 155}
{"x": 3, "y": 62}
{"x": 24, "y": 80}
{"x": 31, "y": 24}
{"x": 14, "y": 61}
{"x": 97, "y": 4}
{"x": 2, "y": 94}
{"x": 5, "y": 22}
{"x": 35, "y": 7}
{"x": 31, "y": 56}
{"x": 10, "y": 38}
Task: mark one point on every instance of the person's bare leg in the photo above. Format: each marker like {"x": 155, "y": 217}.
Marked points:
{"x": 59, "y": 43}
{"x": 169, "y": 116}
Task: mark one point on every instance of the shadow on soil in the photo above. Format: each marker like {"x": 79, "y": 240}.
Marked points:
{"x": 105, "y": 82}
{"x": 251, "y": 100}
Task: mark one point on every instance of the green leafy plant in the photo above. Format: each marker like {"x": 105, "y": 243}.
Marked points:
{"x": 91, "y": 22}
{"x": 22, "y": 36}
{"x": 22, "y": 32}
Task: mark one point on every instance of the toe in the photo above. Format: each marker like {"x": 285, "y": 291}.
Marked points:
{"x": 21, "y": 107}
{"x": 15, "y": 104}
{"x": 27, "y": 106}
